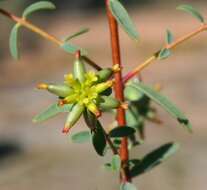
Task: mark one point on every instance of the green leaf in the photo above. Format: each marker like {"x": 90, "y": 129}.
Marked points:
{"x": 116, "y": 163}
{"x": 132, "y": 94}
{"x": 108, "y": 103}
{"x": 154, "y": 158}
{"x": 127, "y": 186}
{"x": 51, "y": 111}
{"x": 122, "y": 17}
{"x": 80, "y": 32}
{"x": 98, "y": 139}
{"x": 165, "y": 103}
{"x": 190, "y": 9}
{"x": 121, "y": 132}
{"x": 13, "y": 41}
{"x": 164, "y": 53}
{"x": 134, "y": 162}
{"x": 81, "y": 137}
{"x": 131, "y": 119}
{"x": 70, "y": 48}
{"x": 169, "y": 37}
{"x": 38, "y": 6}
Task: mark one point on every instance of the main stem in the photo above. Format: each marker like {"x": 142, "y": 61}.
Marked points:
{"x": 119, "y": 91}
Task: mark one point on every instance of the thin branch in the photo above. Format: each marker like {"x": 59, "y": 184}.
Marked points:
{"x": 92, "y": 63}
{"x": 155, "y": 56}
{"x": 110, "y": 143}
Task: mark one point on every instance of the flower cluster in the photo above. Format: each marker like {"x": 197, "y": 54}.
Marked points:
{"x": 83, "y": 90}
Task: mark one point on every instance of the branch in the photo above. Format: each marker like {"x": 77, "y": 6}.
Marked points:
{"x": 155, "y": 56}
{"x": 42, "y": 33}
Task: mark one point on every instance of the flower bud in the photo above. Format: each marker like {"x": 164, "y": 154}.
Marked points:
{"x": 79, "y": 69}
{"x": 60, "y": 90}
{"x": 109, "y": 103}
{"x": 104, "y": 74}
{"x": 73, "y": 117}
{"x": 94, "y": 109}
{"x": 103, "y": 86}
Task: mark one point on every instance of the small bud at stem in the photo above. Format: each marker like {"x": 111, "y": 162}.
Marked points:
{"x": 116, "y": 68}
{"x": 124, "y": 105}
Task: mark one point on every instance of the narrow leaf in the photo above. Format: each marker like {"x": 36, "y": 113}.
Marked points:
{"x": 98, "y": 138}
{"x": 13, "y": 41}
{"x": 169, "y": 37}
{"x": 38, "y": 6}
{"x": 51, "y": 111}
{"x": 81, "y": 137}
{"x": 164, "y": 53}
{"x": 190, "y": 9}
{"x": 154, "y": 158}
{"x": 127, "y": 186}
{"x": 82, "y": 31}
{"x": 165, "y": 103}
{"x": 122, "y": 131}
{"x": 116, "y": 163}
{"x": 70, "y": 48}
{"x": 122, "y": 17}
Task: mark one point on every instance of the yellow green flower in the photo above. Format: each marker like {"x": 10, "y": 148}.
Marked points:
{"x": 82, "y": 90}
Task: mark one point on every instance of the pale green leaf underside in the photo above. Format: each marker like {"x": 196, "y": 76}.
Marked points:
{"x": 80, "y": 32}
{"x": 123, "y": 18}
{"x": 127, "y": 186}
{"x": 42, "y": 5}
{"x": 164, "y": 53}
{"x": 169, "y": 37}
{"x": 81, "y": 137}
{"x": 190, "y": 9}
{"x": 165, "y": 103}
{"x": 13, "y": 41}
{"x": 70, "y": 48}
{"x": 116, "y": 163}
{"x": 51, "y": 111}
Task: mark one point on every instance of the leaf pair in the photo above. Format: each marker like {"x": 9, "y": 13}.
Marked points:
{"x": 165, "y": 52}
{"x": 42, "y": 5}
{"x": 13, "y": 41}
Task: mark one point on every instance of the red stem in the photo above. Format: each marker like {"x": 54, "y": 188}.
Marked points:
{"x": 119, "y": 91}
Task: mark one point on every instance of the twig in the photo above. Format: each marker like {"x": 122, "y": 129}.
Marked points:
{"x": 155, "y": 56}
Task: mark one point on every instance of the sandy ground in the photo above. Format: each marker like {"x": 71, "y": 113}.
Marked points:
{"x": 46, "y": 159}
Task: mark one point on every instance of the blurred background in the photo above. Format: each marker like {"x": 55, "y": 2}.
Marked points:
{"x": 39, "y": 156}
